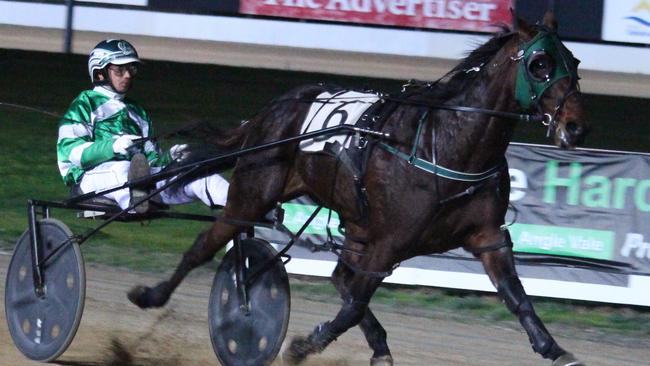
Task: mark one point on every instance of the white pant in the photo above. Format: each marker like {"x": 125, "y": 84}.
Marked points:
{"x": 115, "y": 173}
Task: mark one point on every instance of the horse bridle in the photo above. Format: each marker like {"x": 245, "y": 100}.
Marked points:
{"x": 529, "y": 88}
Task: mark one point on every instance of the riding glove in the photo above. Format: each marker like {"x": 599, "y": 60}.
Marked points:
{"x": 178, "y": 152}
{"x": 123, "y": 142}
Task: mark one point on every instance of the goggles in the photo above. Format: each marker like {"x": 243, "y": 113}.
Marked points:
{"x": 120, "y": 70}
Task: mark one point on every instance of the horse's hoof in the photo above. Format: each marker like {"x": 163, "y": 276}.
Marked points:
{"x": 386, "y": 360}
{"x": 567, "y": 359}
{"x": 139, "y": 296}
{"x": 146, "y": 297}
{"x": 297, "y": 351}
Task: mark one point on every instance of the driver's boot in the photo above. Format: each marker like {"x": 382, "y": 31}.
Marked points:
{"x": 139, "y": 168}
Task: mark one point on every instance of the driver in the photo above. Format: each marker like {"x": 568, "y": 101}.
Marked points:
{"x": 97, "y": 146}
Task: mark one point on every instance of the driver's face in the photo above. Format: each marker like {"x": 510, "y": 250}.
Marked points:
{"x": 121, "y": 76}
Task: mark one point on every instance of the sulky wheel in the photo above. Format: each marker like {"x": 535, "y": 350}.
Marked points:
{"x": 43, "y": 326}
{"x": 250, "y": 336}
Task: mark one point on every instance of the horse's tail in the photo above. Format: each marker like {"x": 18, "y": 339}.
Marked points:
{"x": 212, "y": 155}
{"x": 228, "y": 139}
{"x": 208, "y": 156}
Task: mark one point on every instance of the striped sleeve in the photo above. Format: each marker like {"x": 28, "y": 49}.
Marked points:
{"x": 76, "y": 149}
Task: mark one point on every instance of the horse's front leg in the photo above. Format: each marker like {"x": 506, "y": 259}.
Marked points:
{"x": 499, "y": 265}
{"x": 205, "y": 246}
{"x": 361, "y": 289}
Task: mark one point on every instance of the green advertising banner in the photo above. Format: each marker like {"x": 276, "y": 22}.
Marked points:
{"x": 565, "y": 241}
{"x": 581, "y": 203}
{"x": 296, "y": 214}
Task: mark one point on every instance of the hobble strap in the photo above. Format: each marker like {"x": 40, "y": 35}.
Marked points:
{"x": 374, "y": 274}
{"x": 506, "y": 243}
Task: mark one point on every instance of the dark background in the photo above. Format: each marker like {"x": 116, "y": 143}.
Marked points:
{"x": 580, "y": 20}
{"x": 200, "y": 6}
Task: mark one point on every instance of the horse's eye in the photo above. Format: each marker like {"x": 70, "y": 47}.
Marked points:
{"x": 541, "y": 66}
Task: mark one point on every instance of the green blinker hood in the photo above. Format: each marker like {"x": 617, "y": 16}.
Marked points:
{"x": 529, "y": 90}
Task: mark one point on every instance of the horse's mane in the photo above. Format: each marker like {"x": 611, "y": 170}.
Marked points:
{"x": 486, "y": 51}
{"x": 458, "y": 78}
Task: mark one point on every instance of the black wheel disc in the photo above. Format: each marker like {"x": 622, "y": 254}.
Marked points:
{"x": 42, "y": 327}
{"x": 253, "y": 337}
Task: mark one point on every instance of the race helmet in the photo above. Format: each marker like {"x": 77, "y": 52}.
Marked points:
{"x": 110, "y": 51}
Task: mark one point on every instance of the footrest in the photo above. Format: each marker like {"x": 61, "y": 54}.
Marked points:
{"x": 90, "y": 214}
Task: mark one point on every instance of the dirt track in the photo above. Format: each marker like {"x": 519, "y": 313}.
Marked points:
{"x": 178, "y": 334}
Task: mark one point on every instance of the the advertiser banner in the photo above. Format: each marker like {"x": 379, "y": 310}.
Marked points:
{"x": 465, "y": 15}
{"x": 578, "y": 220}
{"x": 627, "y": 21}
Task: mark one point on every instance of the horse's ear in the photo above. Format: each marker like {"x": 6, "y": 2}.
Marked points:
{"x": 550, "y": 21}
{"x": 520, "y": 25}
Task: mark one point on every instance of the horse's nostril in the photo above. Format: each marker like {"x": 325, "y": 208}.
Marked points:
{"x": 573, "y": 128}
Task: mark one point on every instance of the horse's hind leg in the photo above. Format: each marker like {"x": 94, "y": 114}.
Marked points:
{"x": 373, "y": 331}
{"x": 376, "y": 336}
{"x": 205, "y": 247}
{"x": 361, "y": 287}
{"x": 351, "y": 313}
{"x": 499, "y": 265}
{"x": 244, "y": 203}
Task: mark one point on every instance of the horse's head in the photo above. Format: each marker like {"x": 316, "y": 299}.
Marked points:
{"x": 547, "y": 82}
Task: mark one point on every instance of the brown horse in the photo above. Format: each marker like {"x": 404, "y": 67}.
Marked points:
{"x": 439, "y": 182}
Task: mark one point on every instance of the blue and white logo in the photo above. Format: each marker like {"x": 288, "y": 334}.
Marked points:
{"x": 627, "y": 21}
{"x": 639, "y": 19}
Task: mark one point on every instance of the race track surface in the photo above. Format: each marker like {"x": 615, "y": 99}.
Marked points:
{"x": 178, "y": 334}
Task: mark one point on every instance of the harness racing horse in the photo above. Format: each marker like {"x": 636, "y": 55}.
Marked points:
{"x": 439, "y": 182}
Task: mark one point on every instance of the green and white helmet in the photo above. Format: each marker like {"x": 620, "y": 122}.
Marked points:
{"x": 111, "y": 51}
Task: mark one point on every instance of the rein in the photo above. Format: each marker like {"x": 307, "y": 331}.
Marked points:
{"x": 490, "y": 112}
{"x": 31, "y": 109}
{"x": 179, "y": 131}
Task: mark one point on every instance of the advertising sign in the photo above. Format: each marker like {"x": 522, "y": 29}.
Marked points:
{"x": 583, "y": 204}
{"x": 627, "y": 21}
{"x": 467, "y": 15}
